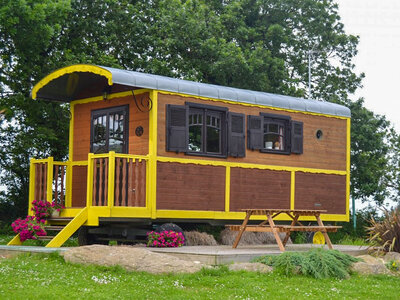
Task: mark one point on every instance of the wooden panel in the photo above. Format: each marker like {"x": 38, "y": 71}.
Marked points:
{"x": 321, "y": 191}
{"x": 82, "y": 113}
{"x": 253, "y": 188}
{"x": 130, "y": 182}
{"x": 79, "y": 183}
{"x": 190, "y": 187}
{"x": 327, "y": 153}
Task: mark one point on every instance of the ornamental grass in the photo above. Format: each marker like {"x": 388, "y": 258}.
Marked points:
{"x": 386, "y": 233}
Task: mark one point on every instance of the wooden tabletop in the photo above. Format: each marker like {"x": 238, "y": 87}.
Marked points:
{"x": 299, "y": 212}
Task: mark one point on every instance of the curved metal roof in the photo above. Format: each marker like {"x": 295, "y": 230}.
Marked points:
{"x": 55, "y": 86}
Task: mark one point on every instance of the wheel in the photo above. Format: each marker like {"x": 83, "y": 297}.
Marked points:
{"x": 170, "y": 227}
{"x": 316, "y": 238}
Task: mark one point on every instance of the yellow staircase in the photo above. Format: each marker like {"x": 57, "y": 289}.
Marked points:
{"x": 64, "y": 232}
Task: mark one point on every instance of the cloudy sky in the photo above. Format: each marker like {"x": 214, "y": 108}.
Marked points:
{"x": 377, "y": 22}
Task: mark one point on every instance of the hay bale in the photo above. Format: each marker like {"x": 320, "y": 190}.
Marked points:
{"x": 250, "y": 238}
{"x": 195, "y": 238}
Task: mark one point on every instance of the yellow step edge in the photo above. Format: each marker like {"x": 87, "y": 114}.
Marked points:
{"x": 69, "y": 230}
{"x": 15, "y": 241}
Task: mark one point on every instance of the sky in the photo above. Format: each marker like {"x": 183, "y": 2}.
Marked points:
{"x": 377, "y": 22}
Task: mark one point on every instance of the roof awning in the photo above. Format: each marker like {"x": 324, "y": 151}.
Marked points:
{"x": 85, "y": 81}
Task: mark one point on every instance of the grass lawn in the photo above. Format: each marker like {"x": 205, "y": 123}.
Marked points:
{"x": 49, "y": 277}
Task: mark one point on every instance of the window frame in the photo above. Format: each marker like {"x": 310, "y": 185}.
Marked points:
{"x": 280, "y": 120}
{"x": 107, "y": 111}
{"x": 223, "y": 111}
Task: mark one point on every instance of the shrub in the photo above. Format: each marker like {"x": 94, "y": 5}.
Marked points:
{"x": 165, "y": 239}
{"x": 386, "y": 233}
{"x": 317, "y": 263}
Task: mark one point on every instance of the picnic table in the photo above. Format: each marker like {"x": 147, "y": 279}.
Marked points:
{"x": 268, "y": 225}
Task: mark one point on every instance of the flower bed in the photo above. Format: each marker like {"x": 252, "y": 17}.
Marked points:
{"x": 165, "y": 239}
{"x": 33, "y": 226}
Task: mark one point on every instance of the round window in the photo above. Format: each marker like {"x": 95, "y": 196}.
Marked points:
{"x": 319, "y": 134}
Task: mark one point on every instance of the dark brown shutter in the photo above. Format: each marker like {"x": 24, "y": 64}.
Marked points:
{"x": 255, "y": 132}
{"x": 176, "y": 128}
{"x": 236, "y": 135}
{"x": 297, "y": 137}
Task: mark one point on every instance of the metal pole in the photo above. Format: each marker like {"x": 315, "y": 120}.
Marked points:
{"x": 354, "y": 213}
{"x": 309, "y": 73}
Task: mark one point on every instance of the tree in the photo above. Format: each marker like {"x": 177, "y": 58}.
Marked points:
{"x": 253, "y": 44}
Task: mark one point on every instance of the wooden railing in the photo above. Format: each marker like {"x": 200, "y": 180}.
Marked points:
{"x": 112, "y": 180}
{"x": 48, "y": 180}
{"x": 117, "y": 180}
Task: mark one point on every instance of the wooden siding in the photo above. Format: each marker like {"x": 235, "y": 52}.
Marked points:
{"x": 254, "y": 188}
{"x": 320, "y": 191}
{"x": 137, "y": 145}
{"x": 79, "y": 184}
{"x": 327, "y": 153}
{"x": 190, "y": 187}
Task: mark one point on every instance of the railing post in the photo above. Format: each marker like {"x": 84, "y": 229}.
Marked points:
{"x": 49, "y": 184}
{"x": 111, "y": 178}
{"x": 89, "y": 189}
{"x": 32, "y": 180}
{"x": 68, "y": 185}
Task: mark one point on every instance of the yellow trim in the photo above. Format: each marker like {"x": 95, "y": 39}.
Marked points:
{"x": 111, "y": 178}
{"x": 69, "y": 229}
{"x": 71, "y": 69}
{"x": 89, "y": 187}
{"x": 227, "y": 188}
{"x": 15, "y": 241}
{"x": 152, "y": 184}
{"x": 111, "y": 96}
{"x": 348, "y": 168}
{"x": 49, "y": 179}
{"x": 292, "y": 188}
{"x": 252, "y": 105}
{"x": 79, "y": 163}
{"x": 129, "y": 212}
{"x": 246, "y": 165}
{"x": 31, "y": 186}
{"x": 96, "y": 212}
{"x": 222, "y": 215}
{"x": 71, "y": 132}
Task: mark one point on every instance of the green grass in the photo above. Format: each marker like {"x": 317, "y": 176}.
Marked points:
{"x": 49, "y": 277}
{"x": 5, "y": 238}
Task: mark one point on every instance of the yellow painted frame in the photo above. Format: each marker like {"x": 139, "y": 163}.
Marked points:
{"x": 71, "y": 69}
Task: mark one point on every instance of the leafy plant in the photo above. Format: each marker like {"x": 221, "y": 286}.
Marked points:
{"x": 386, "y": 233}
{"x": 165, "y": 239}
{"x": 43, "y": 209}
{"x": 393, "y": 265}
{"x": 317, "y": 263}
{"x": 28, "y": 228}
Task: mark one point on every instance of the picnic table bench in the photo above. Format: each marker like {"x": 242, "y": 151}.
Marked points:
{"x": 268, "y": 225}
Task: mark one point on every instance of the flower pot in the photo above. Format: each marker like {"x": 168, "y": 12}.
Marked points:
{"x": 55, "y": 214}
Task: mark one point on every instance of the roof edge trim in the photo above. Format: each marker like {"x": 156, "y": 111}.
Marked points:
{"x": 71, "y": 69}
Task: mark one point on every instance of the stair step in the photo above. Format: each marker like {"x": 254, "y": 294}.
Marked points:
{"x": 45, "y": 238}
{"x": 60, "y": 219}
{"x": 54, "y": 228}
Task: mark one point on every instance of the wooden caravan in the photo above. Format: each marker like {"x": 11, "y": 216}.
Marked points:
{"x": 147, "y": 149}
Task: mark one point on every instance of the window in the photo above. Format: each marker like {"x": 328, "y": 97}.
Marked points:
{"x": 275, "y": 134}
{"x": 109, "y": 130}
{"x": 205, "y": 130}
